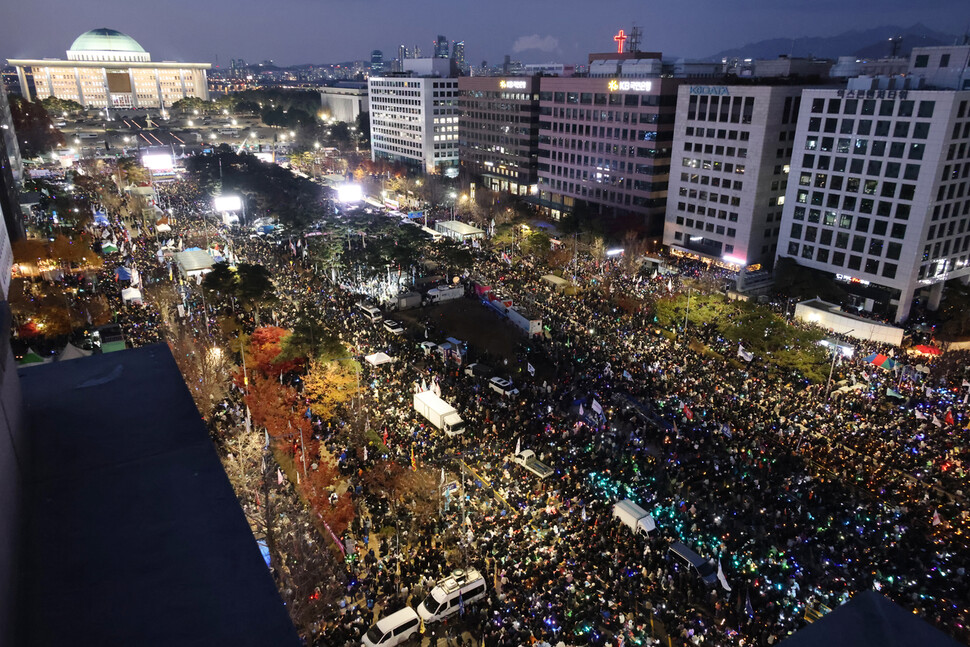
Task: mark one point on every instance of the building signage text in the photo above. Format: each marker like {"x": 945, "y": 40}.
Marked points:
{"x": 629, "y": 86}
{"x": 512, "y": 85}
{"x": 716, "y": 90}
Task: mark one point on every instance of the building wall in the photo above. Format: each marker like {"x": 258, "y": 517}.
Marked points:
{"x": 344, "y": 104}
{"x": 729, "y": 170}
{"x": 499, "y": 131}
{"x": 98, "y": 86}
{"x": 415, "y": 121}
{"x": 879, "y": 193}
{"x": 606, "y": 141}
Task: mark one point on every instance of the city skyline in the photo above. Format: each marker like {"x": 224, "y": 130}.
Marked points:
{"x": 309, "y": 33}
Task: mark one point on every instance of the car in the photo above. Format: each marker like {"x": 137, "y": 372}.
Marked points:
{"x": 502, "y": 386}
{"x": 393, "y": 327}
{"x": 428, "y": 347}
{"x": 479, "y": 370}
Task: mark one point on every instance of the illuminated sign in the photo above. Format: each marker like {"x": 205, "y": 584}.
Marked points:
{"x": 629, "y": 86}
{"x": 227, "y": 203}
{"x": 715, "y": 90}
{"x": 158, "y": 162}
{"x": 512, "y": 85}
{"x": 850, "y": 279}
{"x": 619, "y": 38}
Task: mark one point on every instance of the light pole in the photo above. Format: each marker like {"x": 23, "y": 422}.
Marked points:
{"x": 687, "y": 314}
{"x": 835, "y": 353}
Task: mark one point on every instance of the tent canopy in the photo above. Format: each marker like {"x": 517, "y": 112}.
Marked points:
{"x": 131, "y": 294}
{"x": 927, "y": 350}
{"x": 882, "y": 361}
{"x": 378, "y": 358}
{"x": 123, "y": 273}
{"x": 72, "y": 352}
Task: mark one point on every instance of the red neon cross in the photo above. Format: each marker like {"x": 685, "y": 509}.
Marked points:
{"x": 619, "y": 38}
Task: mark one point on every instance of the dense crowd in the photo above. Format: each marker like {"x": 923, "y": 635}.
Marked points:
{"x": 802, "y": 498}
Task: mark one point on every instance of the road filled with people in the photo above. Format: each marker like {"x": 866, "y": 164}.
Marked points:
{"x": 796, "y": 495}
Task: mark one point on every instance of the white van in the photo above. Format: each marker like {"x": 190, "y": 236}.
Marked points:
{"x": 634, "y": 517}
{"x": 462, "y": 588}
{"x": 371, "y": 312}
{"x": 393, "y": 629}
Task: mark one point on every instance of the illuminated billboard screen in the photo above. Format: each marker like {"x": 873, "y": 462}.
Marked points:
{"x": 228, "y": 203}
{"x": 350, "y": 193}
{"x": 158, "y": 162}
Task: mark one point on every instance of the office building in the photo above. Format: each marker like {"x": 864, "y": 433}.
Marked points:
{"x": 441, "y": 47}
{"x": 11, "y": 175}
{"x": 945, "y": 67}
{"x": 605, "y": 142}
{"x": 108, "y": 69}
{"x": 376, "y": 62}
{"x": 345, "y": 101}
{"x": 499, "y": 131}
{"x": 879, "y": 195}
{"x": 458, "y": 56}
{"x": 414, "y": 116}
{"x": 731, "y": 152}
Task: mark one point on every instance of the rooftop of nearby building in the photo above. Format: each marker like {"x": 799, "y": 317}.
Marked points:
{"x": 133, "y": 533}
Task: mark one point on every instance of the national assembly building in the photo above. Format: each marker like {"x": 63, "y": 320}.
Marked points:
{"x": 108, "y": 69}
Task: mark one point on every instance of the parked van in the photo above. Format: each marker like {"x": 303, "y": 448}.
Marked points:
{"x": 463, "y": 587}
{"x": 393, "y": 629}
{"x": 371, "y": 312}
{"x": 706, "y": 569}
{"x": 634, "y": 517}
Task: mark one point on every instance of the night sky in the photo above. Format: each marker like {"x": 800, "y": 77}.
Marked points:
{"x": 533, "y": 31}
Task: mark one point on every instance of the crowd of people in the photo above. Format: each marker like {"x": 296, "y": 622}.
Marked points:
{"x": 801, "y": 497}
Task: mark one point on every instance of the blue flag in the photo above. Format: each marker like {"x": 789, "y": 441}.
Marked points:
{"x": 747, "y": 604}
{"x": 726, "y": 430}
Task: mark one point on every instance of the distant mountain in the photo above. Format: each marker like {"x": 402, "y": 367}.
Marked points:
{"x": 869, "y": 43}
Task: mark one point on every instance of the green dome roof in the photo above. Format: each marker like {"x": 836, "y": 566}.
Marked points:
{"x": 105, "y": 40}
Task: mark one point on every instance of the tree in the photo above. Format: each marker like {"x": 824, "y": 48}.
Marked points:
{"x": 220, "y": 280}
{"x": 311, "y": 337}
{"x": 264, "y": 351}
{"x": 36, "y": 133}
{"x": 254, "y": 287}
{"x": 59, "y": 107}
{"x": 537, "y": 244}
{"x": 329, "y": 385}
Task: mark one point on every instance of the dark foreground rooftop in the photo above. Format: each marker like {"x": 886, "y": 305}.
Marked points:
{"x": 870, "y": 620}
{"x": 133, "y": 534}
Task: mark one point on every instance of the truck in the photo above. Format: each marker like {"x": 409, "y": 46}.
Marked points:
{"x": 442, "y": 294}
{"x": 403, "y": 301}
{"x": 634, "y": 517}
{"x": 527, "y": 459}
{"x": 439, "y": 413}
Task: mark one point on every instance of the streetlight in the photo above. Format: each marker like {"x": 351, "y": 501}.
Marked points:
{"x": 835, "y": 353}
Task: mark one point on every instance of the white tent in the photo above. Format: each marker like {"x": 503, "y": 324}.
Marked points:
{"x": 378, "y": 358}
{"x": 131, "y": 294}
{"x": 72, "y": 352}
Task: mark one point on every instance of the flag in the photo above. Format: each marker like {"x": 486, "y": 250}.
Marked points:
{"x": 948, "y": 418}
{"x": 936, "y": 518}
{"x": 424, "y": 385}
{"x": 726, "y": 430}
{"x": 531, "y": 368}
{"x": 279, "y": 476}
{"x": 627, "y": 375}
{"x": 365, "y": 454}
{"x": 688, "y": 413}
{"x": 518, "y": 445}
{"x": 721, "y": 578}
{"x": 670, "y": 285}
{"x": 929, "y": 392}
{"x": 597, "y": 407}
{"x": 937, "y": 421}
{"x": 414, "y": 462}
{"x": 920, "y": 415}
{"x": 745, "y": 355}
{"x": 442, "y": 477}
{"x": 747, "y": 604}
{"x": 580, "y": 408}
{"x": 965, "y": 383}
{"x": 584, "y": 513}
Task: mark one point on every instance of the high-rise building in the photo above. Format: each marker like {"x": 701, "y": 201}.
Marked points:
{"x": 499, "y": 131}
{"x": 458, "y": 55}
{"x": 729, "y": 171}
{"x": 108, "y": 69}
{"x": 344, "y": 101}
{"x": 606, "y": 142}
{"x": 441, "y": 47}
{"x": 414, "y": 116}
{"x": 376, "y": 62}
{"x": 879, "y": 194}
{"x": 11, "y": 174}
